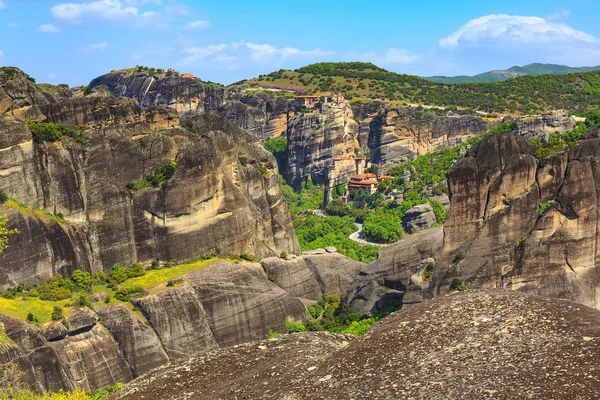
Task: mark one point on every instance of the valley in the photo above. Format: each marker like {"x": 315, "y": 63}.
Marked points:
{"x": 157, "y": 224}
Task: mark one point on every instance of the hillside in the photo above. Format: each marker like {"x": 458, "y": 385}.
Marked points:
{"x": 526, "y": 94}
{"x": 512, "y": 72}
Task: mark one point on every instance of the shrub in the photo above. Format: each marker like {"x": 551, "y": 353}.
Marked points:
{"x": 428, "y": 272}
{"x": 48, "y": 132}
{"x": 460, "y": 255}
{"x": 283, "y": 254}
{"x": 277, "y": 146}
{"x": 174, "y": 282}
{"x": 84, "y": 301}
{"x": 135, "y": 270}
{"x": 57, "y": 314}
{"x": 188, "y": 125}
{"x": 125, "y": 293}
{"x": 31, "y": 318}
{"x": 457, "y": 285}
{"x": 99, "y": 277}
{"x": 117, "y": 275}
{"x": 82, "y": 280}
{"x": 272, "y": 334}
{"x": 56, "y": 289}
{"x": 542, "y": 207}
{"x": 247, "y": 257}
{"x": 315, "y": 311}
{"x": 167, "y": 264}
{"x": 295, "y": 326}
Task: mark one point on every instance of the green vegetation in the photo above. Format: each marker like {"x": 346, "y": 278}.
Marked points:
{"x": 502, "y": 75}
{"x": 156, "y": 178}
{"x": 52, "y": 300}
{"x": 48, "y": 132}
{"x": 542, "y": 207}
{"x": 457, "y": 286}
{"x": 5, "y": 232}
{"x": 277, "y": 146}
{"x": 578, "y": 91}
{"x": 557, "y": 143}
{"x": 331, "y": 315}
{"x": 273, "y": 335}
{"x": 310, "y": 196}
{"x": 428, "y": 272}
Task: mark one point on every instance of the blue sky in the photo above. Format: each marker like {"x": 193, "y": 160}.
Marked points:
{"x": 73, "y": 41}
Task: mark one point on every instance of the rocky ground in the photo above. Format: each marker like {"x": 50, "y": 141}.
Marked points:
{"x": 472, "y": 345}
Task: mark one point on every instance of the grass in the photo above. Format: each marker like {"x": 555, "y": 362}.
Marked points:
{"x": 41, "y": 309}
{"x": 34, "y": 212}
{"x": 162, "y": 276}
{"x": 5, "y": 339}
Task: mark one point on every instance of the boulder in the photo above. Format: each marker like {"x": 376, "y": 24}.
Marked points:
{"x": 54, "y": 330}
{"x": 80, "y": 319}
{"x": 418, "y": 218}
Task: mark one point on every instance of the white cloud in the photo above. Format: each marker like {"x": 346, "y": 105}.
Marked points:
{"x": 516, "y": 30}
{"x": 199, "y": 24}
{"x": 48, "y": 28}
{"x": 194, "y": 55}
{"x": 226, "y": 55}
{"x": 96, "y": 47}
{"x": 260, "y": 52}
{"x": 105, "y": 9}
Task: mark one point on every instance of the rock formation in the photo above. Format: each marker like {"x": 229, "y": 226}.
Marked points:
{"x": 224, "y": 193}
{"x": 515, "y": 222}
{"x": 456, "y": 346}
{"x": 188, "y": 96}
{"x": 220, "y": 305}
{"x": 556, "y": 121}
{"x": 418, "y": 218}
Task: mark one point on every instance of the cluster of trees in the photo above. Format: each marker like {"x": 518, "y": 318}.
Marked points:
{"x": 48, "y": 132}
{"x": 526, "y": 94}
{"x": 277, "y": 146}
{"x": 331, "y": 315}
{"x": 556, "y": 142}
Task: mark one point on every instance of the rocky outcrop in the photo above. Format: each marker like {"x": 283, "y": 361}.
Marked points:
{"x": 263, "y": 116}
{"x": 20, "y": 97}
{"x": 137, "y": 341}
{"x": 241, "y": 304}
{"x": 315, "y": 137}
{"x": 224, "y": 194}
{"x": 514, "y": 222}
{"x": 555, "y": 121}
{"x": 418, "y": 218}
{"x": 396, "y": 135}
{"x": 179, "y": 321}
{"x": 550, "y": 346}
{"x": 188, "y": 96}
{"x": 311, "y": 276}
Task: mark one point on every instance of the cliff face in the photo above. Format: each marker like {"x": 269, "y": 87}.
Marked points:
{"x": 188, "y": 96}
{"x": 224, "y": 193}
{"x": 263, "y": 116}
{"x": 397, "y": 135}
{"x": 515, "y": 222}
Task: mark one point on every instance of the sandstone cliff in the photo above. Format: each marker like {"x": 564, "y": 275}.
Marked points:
{"x": 188, "y": 96}
{"x": 456, "y": 346}
{"x": 224, "y": 193}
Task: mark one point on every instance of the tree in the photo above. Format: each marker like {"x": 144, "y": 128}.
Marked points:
{"x": 84, "y": 300}
{"x": 5, "y": 232}
{"x": 81, "y": 279}
{"x": 57, "y": 314}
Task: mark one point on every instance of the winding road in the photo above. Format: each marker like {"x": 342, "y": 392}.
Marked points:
{"x": 358, "y": 237}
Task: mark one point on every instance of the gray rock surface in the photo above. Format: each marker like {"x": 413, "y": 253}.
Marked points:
{"x": 139, "y": 344}
{"x": 179, "y": 320}
{"x": 468, "y": 339}
{"x": 418, "y": 218}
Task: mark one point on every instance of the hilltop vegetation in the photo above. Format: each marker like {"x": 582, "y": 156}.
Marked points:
{"x": 512, "y": 72}
{"x": 526, "y": 94}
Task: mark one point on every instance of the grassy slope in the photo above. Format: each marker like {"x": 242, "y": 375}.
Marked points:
{"x": 153, "y": 281}
{"x": 527, "y": 94}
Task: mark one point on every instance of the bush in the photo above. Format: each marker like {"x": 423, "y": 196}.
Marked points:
{"x": 174, "y": 282}
{"x": 125, "y": 293}
{"x": 99, "y": 277}
{"x": 117, "y": 275}
{"x": 82, "y": 280}
{"x": 315, "y": 311}
{"x": 48, "y": 132}
{"x": 273, "y": 335}
{"x": 135, "y": 270}
{"x": 428, "y": 272}
{"x": 283, "y": 254}
{"x": 277, "y": 146}
{"x": 31, "y": 318}
{"x": 84, "y": 300}
{"x": 295, "y": 326}
{"x": 56, "y": 289}
{"x": 249, "y": 257}
{"x": 57, "y": 314}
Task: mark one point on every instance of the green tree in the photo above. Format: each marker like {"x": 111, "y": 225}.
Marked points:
{"x": 5, "y": 232}
{"x": 57, "y": 314}
{"x": 81, "y": 279}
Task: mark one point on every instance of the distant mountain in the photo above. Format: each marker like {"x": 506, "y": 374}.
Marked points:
{"x": 512, "y": 72}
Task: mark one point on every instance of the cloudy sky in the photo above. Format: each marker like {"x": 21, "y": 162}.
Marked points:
{"x": 74, "y": 41}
